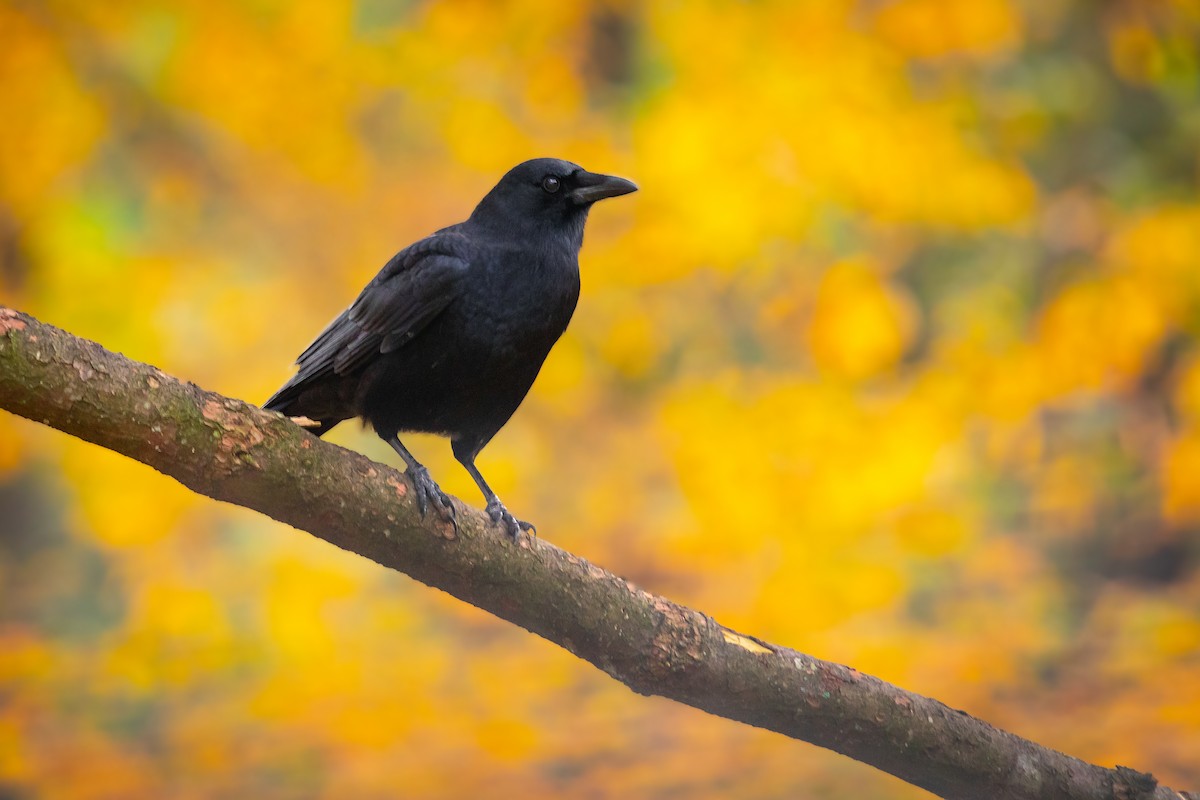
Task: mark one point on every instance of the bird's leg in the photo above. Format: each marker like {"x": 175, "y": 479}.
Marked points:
{"x": 427, "y": 491}
{"x": 495, "y": 509}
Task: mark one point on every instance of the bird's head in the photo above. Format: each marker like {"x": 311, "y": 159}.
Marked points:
{"x": 547, "y": 193}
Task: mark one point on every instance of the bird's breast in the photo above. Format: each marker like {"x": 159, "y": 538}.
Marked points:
{"x": 531, "y": 296}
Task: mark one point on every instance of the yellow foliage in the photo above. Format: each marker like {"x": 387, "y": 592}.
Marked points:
{"x": 565, "y": 377}
{"x": 1065, "y": 498}
{"x": 173, "y": 633}
{"x": 507, "y": 739}
{"x": 298, "y": 595}
{"x": 1160, "y": 250}
{"x": 238, "y": 84}
{"x": 119, "y": 502}
{"x": 932, "y": 531}
{"x": 1187, "y": 392}
{"x": 26, "y": 658}
{"x": 1010, "y": 386}
{"x": 1097, "y": 333}
{"x": 860, "y": 326}
{"x": 12, "y": 449}
{"x": 52, "y": 122}
{"x": 938, "y": 28}
{"x": 1181, "y": 479}
{"x": 1135, "y": 53}
{"x": 631, "y": 344}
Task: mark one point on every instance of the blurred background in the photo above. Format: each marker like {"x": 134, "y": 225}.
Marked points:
{"x": 893, "y": 359}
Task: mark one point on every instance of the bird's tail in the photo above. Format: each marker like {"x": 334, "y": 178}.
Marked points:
{"x": 287, "y": 402}
{"x": 283, "y": 400}
{"x": 321, "y": 427}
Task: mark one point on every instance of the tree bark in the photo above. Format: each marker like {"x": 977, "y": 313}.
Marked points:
{"x": 233, "y": 451}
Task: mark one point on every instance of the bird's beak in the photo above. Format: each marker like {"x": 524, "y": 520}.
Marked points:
{"x": 592, "y": 187}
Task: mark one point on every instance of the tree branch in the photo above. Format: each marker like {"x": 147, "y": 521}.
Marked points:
{"x": 236, "y": 452}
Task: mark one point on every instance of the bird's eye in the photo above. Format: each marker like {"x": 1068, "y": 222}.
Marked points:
{"x": 550, "y": 184}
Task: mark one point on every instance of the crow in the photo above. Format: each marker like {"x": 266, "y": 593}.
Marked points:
{"x": 450, "y": 335}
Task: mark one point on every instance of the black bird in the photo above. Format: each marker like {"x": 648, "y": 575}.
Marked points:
{"x": 451, "y": 333}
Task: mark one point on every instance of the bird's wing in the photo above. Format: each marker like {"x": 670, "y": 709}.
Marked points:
{"x": 407, "y": 294}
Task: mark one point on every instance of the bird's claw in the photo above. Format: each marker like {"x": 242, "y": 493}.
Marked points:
{"x": 428, "y": 493}
{"x": 502, "y": 516}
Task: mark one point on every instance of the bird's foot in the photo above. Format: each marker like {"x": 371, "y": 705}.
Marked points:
{"x": 429, "y": 493}
{"x": 502, "y": 516}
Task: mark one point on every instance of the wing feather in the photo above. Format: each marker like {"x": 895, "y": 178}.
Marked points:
{"x": 411, "y": 290}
